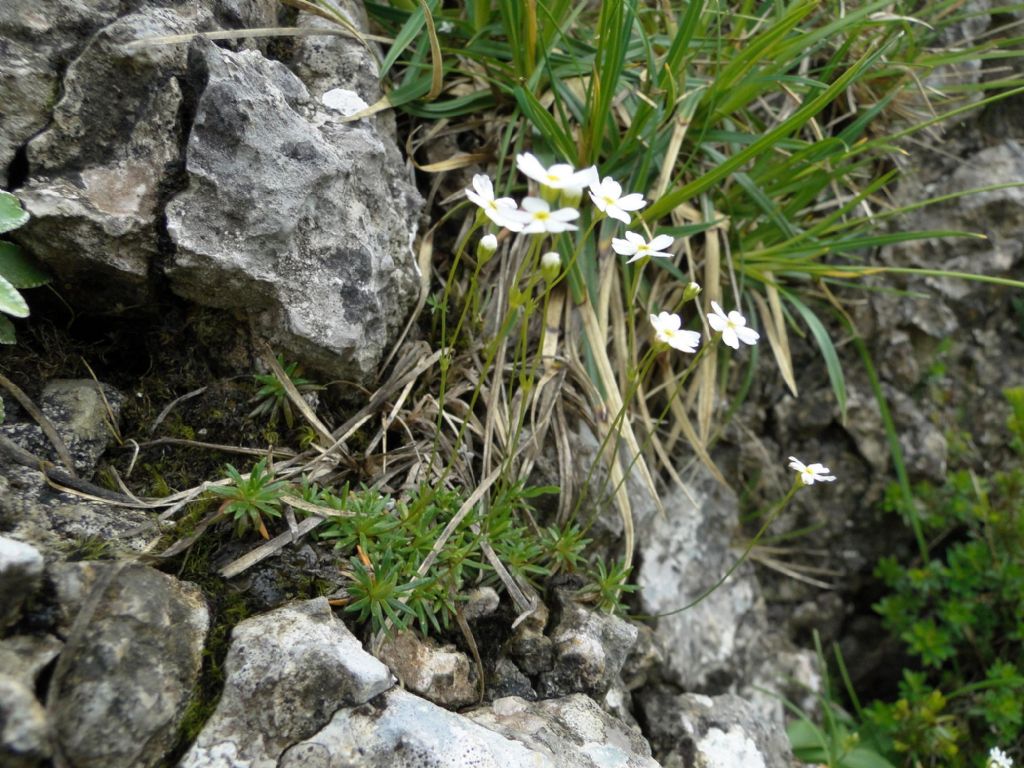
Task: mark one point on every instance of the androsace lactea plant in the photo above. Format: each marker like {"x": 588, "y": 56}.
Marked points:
{"x": 552, "y": 216}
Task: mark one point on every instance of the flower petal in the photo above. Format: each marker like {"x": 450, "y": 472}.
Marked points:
{"x": 530, "y": 166}
{"x": 617, "y": 213}
{"x": 535, "y": 205}
{"x": 661, "y": 242}
{"x": 747, "y": 335}
{"x": 623, "y": 247}
{"x": 632, "y": 202}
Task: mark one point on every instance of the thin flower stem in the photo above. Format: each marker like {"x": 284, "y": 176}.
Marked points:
{"x": 774, "y": 513}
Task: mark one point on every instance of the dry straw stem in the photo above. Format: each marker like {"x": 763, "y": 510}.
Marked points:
{"x": 44, "y": 424}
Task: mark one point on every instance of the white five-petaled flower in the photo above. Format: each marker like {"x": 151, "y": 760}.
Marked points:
{"x": 635, "y": 246}
{"x": 732, "y": 326}
{"x": 536, "y": 217}
{"x": 998, "y": 759}
{"x": 667, "y": 330}
{"x": 497, "y": 209}
{"x": 558, "y": 176}
{"x": 608, "y": 198}
{"x": 810, "y": 474}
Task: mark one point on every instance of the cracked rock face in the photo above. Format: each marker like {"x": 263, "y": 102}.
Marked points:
{"x": 220, "y": 175}
{"x": 129, "y": 665}
{"x": 287, "y": 672}
{"x": 684, "y": 552}
{"x": 300, "y": 219}
{"x": 699, "y": 731}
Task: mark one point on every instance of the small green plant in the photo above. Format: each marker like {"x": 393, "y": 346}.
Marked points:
{"x": 564, "y": 546}
{"x": 960, "y": 614}
{"x": 840, "y": 741}
{"x": 272, "y": 400}
{"x": 17, "y": 271}
{"x": 610, "y": 583}
{"x": 249, "y": 499}
{"x": 376, "y": 593}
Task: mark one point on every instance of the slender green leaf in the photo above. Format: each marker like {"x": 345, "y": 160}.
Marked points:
{"x": 542, "y": 120}
{"x": 828, "y": 350}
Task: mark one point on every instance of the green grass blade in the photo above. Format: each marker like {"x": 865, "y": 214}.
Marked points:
{"x": 828, "y": 350}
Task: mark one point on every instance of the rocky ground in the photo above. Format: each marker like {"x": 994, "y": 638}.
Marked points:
{"x": 255, "y": 210}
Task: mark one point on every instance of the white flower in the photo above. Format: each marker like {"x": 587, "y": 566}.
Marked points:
{"x": 608, "y": 198}
{"x": 811, "y": 473}
{"x": 536, "y": 217}
{"x": 998, "y": 759}
{"x": 558, "y": 176}
{"x": 497, "y": 209}
{"x": 634, "y": 245}
{"x": 666, "y": 330}
{"x": 732, "y": 327}
{"x": 489, "y": 243}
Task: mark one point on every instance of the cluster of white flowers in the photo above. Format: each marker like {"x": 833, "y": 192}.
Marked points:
{"x": 536, "y": 216}
{"x": 998, "y": 759}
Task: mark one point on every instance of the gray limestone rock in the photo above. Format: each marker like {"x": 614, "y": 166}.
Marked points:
{"x": 300, "y": 219}
{"x": 128, "y": 668}
{"x": 78, "y": 410}
{"x": 54, "y": 522}
{"x": 21, "y": 573}
{"x": 33, "y": 511}
{"x": 590, "y": 649}
{"x": 95, "y": 189}
{"x": 696, "y": 731}
{"x": 401, "y": 730}
{"x": 529, "y": 647}
{"x": 25, "y": 740}
{"x": 23, "y": 657}
{"x": 505, "y": 679}
{"x": 569, "y": 731}
{"x": 287, "y": 672}
{"x": 37, "y": 40}
{"x": 682, "y": 554}
{"x": 441, "y": 674}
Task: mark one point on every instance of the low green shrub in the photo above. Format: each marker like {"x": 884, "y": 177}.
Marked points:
{"x": 960, "y": 616}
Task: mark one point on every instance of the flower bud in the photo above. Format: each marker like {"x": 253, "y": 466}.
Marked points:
{"x": 571, "y": 197}
{"x": 549, "y": 194}
{"x": 691, "y": 291}
{"x": 550, "y": 266}
{"x": 485, "y": 248}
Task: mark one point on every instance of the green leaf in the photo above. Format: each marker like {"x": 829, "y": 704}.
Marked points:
{"x": 545, "y": 123}
{"x": 408, "y": 33}
{"x": 860, "y": 757}
{"x": 11, "y": 301}
{"x": 828, "y": 351}
{"x": 19, "y": 270}
{"x": 6, "y": 331}
{"x": 12, "y": 215}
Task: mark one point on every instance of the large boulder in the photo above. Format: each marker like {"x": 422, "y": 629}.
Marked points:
{"x": 128, "y": 668}
{"x": 300, "y": 219}
{"x": 287, "y": 672}
{"x": 216, "y": 173}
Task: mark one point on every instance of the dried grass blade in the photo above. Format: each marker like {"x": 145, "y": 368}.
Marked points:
{"x": 709, "y": 365}
{"x": 323, "y": 433}
{"x": 44, "y": 423}
{"x": 264, "y": 551}
{"x": 779, "y": 343}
